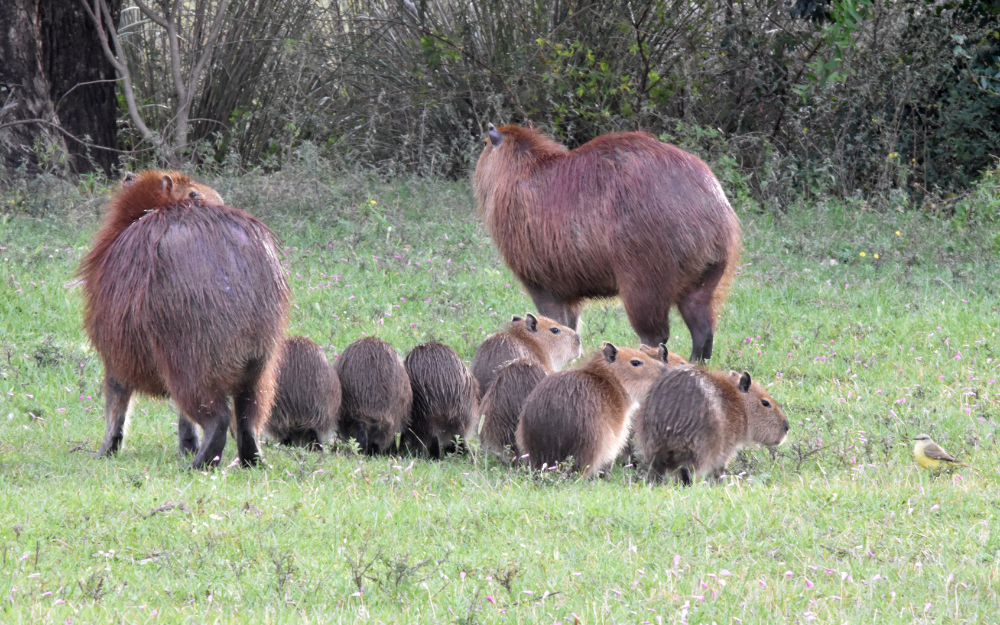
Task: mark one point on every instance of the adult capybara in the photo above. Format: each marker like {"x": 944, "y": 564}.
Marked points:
{"x": 501, "y": 405}
{"x": 694, "y": 420}
{"x": 539, "y": 339}
{"x": 307, "y": 402}
{"x": 585, "y": 412}
{"x": 445, "y": 405}
{"x": 375, "y": 394}
{"x": 623, "y": 214}
{"x": 185, "y": 297}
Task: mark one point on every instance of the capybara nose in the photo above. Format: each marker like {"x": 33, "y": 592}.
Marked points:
{"x": 787, "y": 427}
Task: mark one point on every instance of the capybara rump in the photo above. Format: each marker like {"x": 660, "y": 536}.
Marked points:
{"x": 502, "y": 404}
{"x": 186, "y": 298}
{"x": 445, "y": 405}
{"x": 375, "y": 395}
{"x": 307, "y": 402}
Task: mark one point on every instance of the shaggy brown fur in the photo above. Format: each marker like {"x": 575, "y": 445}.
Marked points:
{"x": 375, "y": 395}
{"x": 539, "y": 339}
{"x": 501, "y": 405}
{"x": 307, "y": 403}
{"x": 185, "y": 297}
{"x": 445, "y": 405}
{"x": 670, "y": 359}
{"x": 623, "y": 214}
{"x": 695, "y": 420}
{"x": 585, "y": 412}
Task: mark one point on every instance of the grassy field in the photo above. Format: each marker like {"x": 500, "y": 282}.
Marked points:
{"x": 869, "y": 328}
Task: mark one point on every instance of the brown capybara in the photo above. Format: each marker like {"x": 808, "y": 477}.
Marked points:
{"x": 694, "y": 420}
{"x": 185, "y": 297}
{"x": 540, "y": 339}
{"x": 502, "y": 403}
{"x": 671, "y": 359}
{"x": 623, "y": 214}
{"x": 307, "y": 401}
{"x": 445, "y": 406}
{"x": 585, "y": 412}
{"x": 375, "y": 395}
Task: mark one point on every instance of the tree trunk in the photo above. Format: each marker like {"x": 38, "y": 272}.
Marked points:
{"x": 46, "y": 48}
{"x": 71, "y": 55}
{"x": 25, "y": 89}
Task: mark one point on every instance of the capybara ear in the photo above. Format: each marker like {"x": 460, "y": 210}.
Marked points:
{"x": 167, "y": 185}
{"x": 744, "y": 385}
{"x": 531, "y": 322}
{"x": 516, "y": 318}
{"x": 129, "y": 179}
{"x": 662, "y": 352}
{"x": 610, "y": 352}
{"x": 495, "y": 136}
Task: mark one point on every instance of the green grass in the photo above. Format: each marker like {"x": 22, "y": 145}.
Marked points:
{"x": 838, "y": 525}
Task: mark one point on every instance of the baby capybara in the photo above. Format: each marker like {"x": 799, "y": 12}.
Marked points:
{"x": 185, "y": 297}
{"x": 694, "y": 420}
{"x": 307, "y": 401}
{"x": 585, "y": 412}
{"x": 501, "y": 405}
{"x": 539, "y": 339}
{"x": 623, "y": 214}
{"x": 445, "y": 407}
{"x": 375, "y": 395}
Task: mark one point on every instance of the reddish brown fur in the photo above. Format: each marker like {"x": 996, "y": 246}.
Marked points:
{"x": 585, "y": 412}
{"x": 307, "y": 403}
{"x": 185, "y": 297}
{"x": 539, "y": 339}
{"x": 502, "y": 403}
{"x": 624, "y": 215}
{"x": 375, "y": 395}
{"x": 695, "y": 420}
{"x": 445, "y": 402}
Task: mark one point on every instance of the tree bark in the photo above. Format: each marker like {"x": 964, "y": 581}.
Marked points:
{"x": 48, "y": 47}
{"x": 72, "y": 55}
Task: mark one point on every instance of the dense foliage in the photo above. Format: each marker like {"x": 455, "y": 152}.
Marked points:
{"x": 876, "y": 98}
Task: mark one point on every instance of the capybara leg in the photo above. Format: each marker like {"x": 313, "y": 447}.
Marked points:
{"x": 118, "y": 398}
{"x": 435, "y": 448}
{"x": 699, "y": 313}
{"x": 187, "y": 435}
{"x": 314, "y": 443}
{"x": 649, "y": 318}
{"x": 248, "y": 409}
{"x": 549, "y": 305}
{"x": 214, "y": 442}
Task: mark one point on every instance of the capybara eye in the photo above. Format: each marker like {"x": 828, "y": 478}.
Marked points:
{"x": 193, "y": 195}
{"x": 765, "y": 403}
{"x": 636, "y": 362}
{"x": 554, "y": 330}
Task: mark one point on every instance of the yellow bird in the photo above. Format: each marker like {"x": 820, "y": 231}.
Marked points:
{"x": 929, "y": 454}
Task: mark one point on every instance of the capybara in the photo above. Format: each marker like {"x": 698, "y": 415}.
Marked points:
{"x": 623, "y": 214}
{"x": 670, "y": 359}
{"x": 307, "y": 402}
{"x": 585, "y": 412}
{"x": 502, "y": 403}
{"x": 375, "y": 394}
{"x": 185, "y": 297}
{"x": 445, "y": 405}
{"x": 540, "y": 339}
{"x": 694, "y": 420}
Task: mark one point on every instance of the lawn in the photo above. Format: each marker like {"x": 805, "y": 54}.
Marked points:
{"x": 869, "y": 327}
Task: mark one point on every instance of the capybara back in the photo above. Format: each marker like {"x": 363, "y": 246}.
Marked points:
{"x": 307, "y": 402}
{"x": 445, "y": 405}
{"x": 694, "y": 420}
{"x": 185, "y": 298}
{"x": 623, "y": 214}
{"x": 584, "y": 413}
{"x": 375, "y": 395}
{"x": 502, "y": 403}
{"x": 540, "y": 339}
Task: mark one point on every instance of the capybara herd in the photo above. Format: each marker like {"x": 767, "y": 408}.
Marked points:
{"x": 185, "y": 297}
